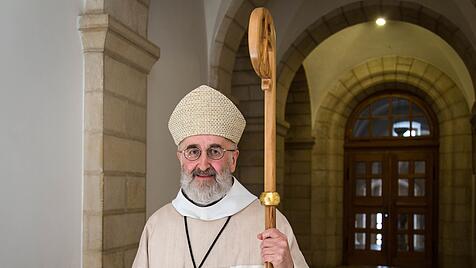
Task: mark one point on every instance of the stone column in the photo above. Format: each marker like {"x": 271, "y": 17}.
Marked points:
{"x": 117, "y": 59}
{"x": 297, "y": 191}
{"x": 282, "y": 128}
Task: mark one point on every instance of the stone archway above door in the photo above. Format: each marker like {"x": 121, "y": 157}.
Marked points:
{"x": 378, "y": 73}
{"x": 362, "y": 11}
{"x": 233, "y": 26}
{"x": 390, "y": 209}
{"x": 453, "y": 117}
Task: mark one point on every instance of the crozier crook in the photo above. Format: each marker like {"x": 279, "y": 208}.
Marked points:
{"x": 262, "y": 48}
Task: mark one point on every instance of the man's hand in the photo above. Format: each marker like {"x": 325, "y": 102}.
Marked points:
{"x": 275, "y": 248}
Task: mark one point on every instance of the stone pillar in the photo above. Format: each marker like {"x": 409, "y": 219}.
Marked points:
{"x": 298, "y": 165}
{"x": 297, "y": 191}
{"x": 282, "y": 128}
{"x": 117, "y": 59}
{"x": 327, "y": 196}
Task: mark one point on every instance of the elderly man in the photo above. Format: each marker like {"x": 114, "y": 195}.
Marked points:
{"x": 214, "y": 221}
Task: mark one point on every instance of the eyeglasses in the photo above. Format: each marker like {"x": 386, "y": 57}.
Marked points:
{"x": 214, "y": 153}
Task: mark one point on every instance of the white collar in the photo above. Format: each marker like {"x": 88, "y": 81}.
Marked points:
{"x": 234, "y": 201}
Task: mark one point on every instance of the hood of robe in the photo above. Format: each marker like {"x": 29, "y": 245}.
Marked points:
{"x": 233, "y": 202}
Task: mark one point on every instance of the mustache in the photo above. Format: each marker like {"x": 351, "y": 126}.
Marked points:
{"x": 207, "y": 172}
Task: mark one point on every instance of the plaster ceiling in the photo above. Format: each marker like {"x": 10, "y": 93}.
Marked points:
{"x": 359, "y": 43}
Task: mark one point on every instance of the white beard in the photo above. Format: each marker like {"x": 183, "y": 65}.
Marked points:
{"x": 204, "y": 193}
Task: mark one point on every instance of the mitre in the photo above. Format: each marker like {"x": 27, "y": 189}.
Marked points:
{"x": 206, "y": 111}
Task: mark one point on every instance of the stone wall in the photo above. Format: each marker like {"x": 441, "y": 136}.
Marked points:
{"x": 297, "y": 178}
{"x": 246, "y": 91}
{"x": 132, "y": 13}
{"x": 293, "y": 145}
{"x": 227, "y": 43}
{"x": 454, "y": 175}
{"x": 117, "y": 60}
{"x": 318, "y": 221}
{"x": 233, "y": 26}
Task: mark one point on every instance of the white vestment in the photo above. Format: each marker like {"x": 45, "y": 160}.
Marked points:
{"x": 164, "y": 242}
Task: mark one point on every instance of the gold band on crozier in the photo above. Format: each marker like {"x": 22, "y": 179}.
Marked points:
{"x": 269, "y": 198}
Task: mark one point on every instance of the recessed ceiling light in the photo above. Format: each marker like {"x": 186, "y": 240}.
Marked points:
{"x": 380, "y": 21}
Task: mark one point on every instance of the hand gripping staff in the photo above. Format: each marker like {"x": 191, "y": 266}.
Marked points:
{"x": 262, "y": 47}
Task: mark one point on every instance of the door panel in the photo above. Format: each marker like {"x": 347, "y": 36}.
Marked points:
{"x": 412, "y": 207}
{"x": 368, "y": 236}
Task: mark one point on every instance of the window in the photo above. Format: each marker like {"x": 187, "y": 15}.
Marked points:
{"x": 390, "y": 117}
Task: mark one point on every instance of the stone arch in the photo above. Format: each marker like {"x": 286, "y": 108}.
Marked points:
{"x": 233, "y": 26}
{"x": 453, "y": 117}
{"x": 227, "y": 41}
{"x": 364, "y": 11}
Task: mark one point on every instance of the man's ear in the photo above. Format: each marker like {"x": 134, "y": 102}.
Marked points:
{"x": 234, "y": 159}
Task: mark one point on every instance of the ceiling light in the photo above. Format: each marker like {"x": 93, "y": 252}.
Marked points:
{"x": 380, "y": 21}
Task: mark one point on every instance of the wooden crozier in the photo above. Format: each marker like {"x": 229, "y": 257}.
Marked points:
{"x": 262, "y": 47}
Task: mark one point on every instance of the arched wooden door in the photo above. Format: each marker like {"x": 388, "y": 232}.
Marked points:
{"x": 390, "y": 189}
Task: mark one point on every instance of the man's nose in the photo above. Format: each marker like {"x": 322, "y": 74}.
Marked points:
{"x": 203, "y": 162}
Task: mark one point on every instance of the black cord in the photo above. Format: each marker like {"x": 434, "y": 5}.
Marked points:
{"x": 209, "y": 249}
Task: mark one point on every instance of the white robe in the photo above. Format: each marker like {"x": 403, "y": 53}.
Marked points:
{"x": 164, "y": 243}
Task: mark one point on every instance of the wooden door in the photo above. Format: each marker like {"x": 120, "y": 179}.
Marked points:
{"x": 390, "y": 207}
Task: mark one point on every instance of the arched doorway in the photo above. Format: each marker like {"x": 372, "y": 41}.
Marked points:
{"x": 390, "y": 188}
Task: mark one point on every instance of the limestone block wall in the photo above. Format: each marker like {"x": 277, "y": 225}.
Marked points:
{"x": 454, "y": 175}
{"x": 246, "y": 90}
{"x": 117, "y": 59}
{"x": 124, "y": 148}
{"x": 132, "y": 13}
{"x": 233, "y": 26}
{"x": 247, "y": 93}
{"x": 327, "y": 194}
{"x": 298, "y": 152}
{"x": 294, "y": 144}
{"x": 328, "y": 130}
{"x": 473, "y": 196}
{"x": 227, "y": 43}
{"x": 325, "y": 222}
